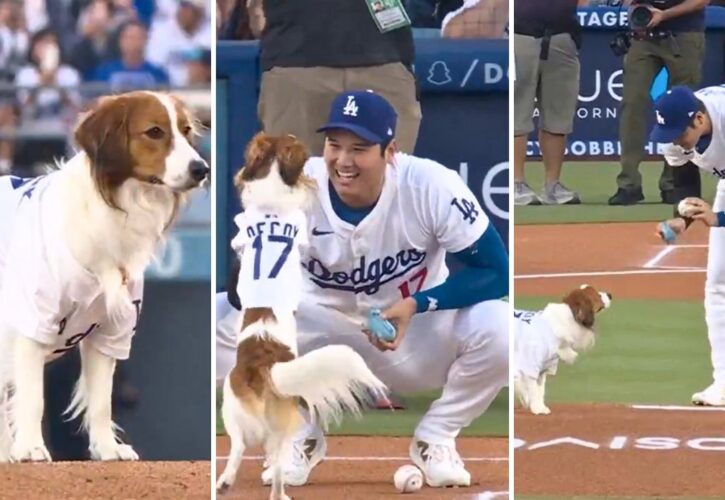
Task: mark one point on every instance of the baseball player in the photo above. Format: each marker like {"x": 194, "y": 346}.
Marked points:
{"x": 691, "y": 124}
{"x": 380, "y": 228}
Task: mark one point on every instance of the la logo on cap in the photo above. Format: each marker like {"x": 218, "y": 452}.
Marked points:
{"x": 350, "y": 108}
{"x": 660, "y": 118}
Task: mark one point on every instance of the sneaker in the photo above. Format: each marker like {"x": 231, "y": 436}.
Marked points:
{"x": 306, "y": 454}
{"x": 628, "y": 196}
{"x": 441, "y": 464}
{"x": 524, "y": 195}
{"x": 558, "y": 194}
{"x": 712, "y": 396}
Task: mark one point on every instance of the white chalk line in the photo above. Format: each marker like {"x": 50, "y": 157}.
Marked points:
{"x": 487, "y": 495}
{"x": 379, "y": 459}
{"x": 631, "y": 272}
{"x": 660, "y": 255}
{"x": 678, "y": 408}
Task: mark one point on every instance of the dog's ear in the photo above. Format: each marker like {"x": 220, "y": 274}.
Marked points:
{"x": 103, "y": 135}
{"x": 258, "y": 157}
{"x": 581, "y": 307}
{"x": 291, "y": 157}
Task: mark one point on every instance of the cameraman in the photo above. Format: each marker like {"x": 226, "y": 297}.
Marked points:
{"x": 673, "y": 36}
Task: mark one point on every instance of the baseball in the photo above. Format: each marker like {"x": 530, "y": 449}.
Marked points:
{"x": 408, "y": 478}
{"x": 686, "y": 209}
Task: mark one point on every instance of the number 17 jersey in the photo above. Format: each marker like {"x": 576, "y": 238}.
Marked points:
{"x": 269, "y": 249}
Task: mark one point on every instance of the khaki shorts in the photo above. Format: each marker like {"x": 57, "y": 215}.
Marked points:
{"x": 297, "y": 100}
{"x": 553, "y": 84}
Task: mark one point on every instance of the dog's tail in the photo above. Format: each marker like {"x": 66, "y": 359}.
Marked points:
{"x": 332, "y": 380}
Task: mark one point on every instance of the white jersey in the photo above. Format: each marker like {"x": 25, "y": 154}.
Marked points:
{"x": 45, "y": 294}
{"x": 269, "y": 249}
{"x": 712, "y": 160}
{"x": 535, "y": 345}
{"x": 424, "y": 211}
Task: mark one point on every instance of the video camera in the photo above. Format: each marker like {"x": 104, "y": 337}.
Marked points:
{"x": 639, "y": 17}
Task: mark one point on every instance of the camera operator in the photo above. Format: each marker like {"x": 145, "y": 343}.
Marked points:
{"x": 663, "y": 33}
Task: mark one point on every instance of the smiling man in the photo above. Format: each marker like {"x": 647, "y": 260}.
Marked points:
{"x": 381, "y": 227}
{"x": 692, "y": 125}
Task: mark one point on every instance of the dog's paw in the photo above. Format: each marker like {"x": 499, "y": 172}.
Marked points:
{"x": 35, "y": 452}
{"x": 113, "y": 451}
{"x": 223, "y": 485}
{"x": 540, "y": 410}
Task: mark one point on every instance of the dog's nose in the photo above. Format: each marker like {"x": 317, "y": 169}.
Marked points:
{"x": 198, "y": 169}
{"x": 609, "y": 295}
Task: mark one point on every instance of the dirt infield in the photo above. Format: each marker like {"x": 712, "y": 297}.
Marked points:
{"x": 614, "y": 257}
{"x": 617, "y": 450}
{"x": 104, "y": 480}
{"x": 363, "y": 467}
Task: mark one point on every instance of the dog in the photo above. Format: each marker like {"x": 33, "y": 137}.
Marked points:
{"x": 269, "y": 380}
{"x": 74, "y": 245}
{"x": 560, "y": 332}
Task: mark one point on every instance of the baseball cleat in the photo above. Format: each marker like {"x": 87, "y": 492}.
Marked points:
{"x": 306, "y": 454}
{"x": 441, "y": 464}
{"x": 712, "y": 396}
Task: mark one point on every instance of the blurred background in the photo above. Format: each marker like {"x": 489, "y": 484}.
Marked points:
{"x": 446, "y": 74}
{"x": 56, "y": 57}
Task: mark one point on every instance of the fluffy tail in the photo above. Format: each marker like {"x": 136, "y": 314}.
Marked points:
{"x": 332, "y": 380}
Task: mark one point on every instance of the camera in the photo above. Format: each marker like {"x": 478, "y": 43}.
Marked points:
{"x": 639, "y": 17}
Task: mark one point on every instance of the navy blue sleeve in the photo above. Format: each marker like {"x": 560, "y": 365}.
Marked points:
{"x": 720, "y": 219}
{"x": 485, "y": 276}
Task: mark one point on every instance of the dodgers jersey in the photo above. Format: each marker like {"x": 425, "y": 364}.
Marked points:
{"x": 536, "y": 346}
{"x": 712, "y": 160}
{"x": 269, "y": 249}
{"x": 399, "y": 248}
{"x": 45, "y": 294}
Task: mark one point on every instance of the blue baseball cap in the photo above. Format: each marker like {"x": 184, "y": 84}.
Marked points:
{"x": 364, "y": 113}
{"x": 673, "y": 112}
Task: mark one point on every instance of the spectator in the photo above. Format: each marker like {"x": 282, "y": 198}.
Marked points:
{"x": 477, "y": 19}
{"x": 310, "y": 53}
{"x": 132, "y": 71}
{"x": 244, "y": 21}
{"x": 546, "y": 43}
{"x": 172, "y": 38}
{"x": 14, "y": 39}
{"x": 198, "y": 67}
{"x": 675, "y": 39}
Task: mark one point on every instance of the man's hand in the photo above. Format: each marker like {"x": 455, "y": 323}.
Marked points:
{"x": 400, "y": 315}
{"x": 657, "y": 17}
{"x": 703, "y": 212}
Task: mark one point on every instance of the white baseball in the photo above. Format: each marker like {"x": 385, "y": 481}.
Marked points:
{"x": 408, "y": 478}
{"x": 686, "y": 208}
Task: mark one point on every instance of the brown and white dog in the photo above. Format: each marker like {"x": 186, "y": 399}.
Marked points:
{"x": 83, "y": 236}
{"x": 269, "y": 381}
{"x": 560, "y": 332}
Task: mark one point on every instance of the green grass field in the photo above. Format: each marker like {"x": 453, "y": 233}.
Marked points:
{"x": 596, "y": 182}
{"x": 648, "y": 351}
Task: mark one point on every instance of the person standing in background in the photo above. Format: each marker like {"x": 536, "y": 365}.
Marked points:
{"x": 546, "y": 50}
{"x": 310, "y": 52}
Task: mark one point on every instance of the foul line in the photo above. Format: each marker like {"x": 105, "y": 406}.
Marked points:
{"x": 610, "y": 273}
{"x": 678, "y": 408}
{"x": 660, "y": 255}
{"x": 380, "y": 459}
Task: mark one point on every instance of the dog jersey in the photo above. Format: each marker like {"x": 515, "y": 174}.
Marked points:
{"x": 45, "y": 294}
{"x": 269, "y": 249}
{"x": 399, "y": 248}
{"x": 536, "y": 346}
{"x": 711, "y": 160}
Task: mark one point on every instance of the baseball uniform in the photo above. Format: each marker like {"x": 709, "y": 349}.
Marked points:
{"x": 269, "y": 249}
{"x": 711, "y": 159}
{"x": 45, "y": 294}
{"x": 424, "y": 211}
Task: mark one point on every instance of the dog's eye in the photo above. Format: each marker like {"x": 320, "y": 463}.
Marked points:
{"x": 154, "y": 133}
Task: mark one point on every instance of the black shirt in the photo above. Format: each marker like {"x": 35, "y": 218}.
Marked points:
{"x": 330, "y": 33}
{"x": 540, "y": 15}
{"x": 694, "y": 21}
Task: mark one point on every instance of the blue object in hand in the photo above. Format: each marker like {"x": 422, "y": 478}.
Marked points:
{"x": 666, "y": 233}
{"x": 381, "y": 328}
